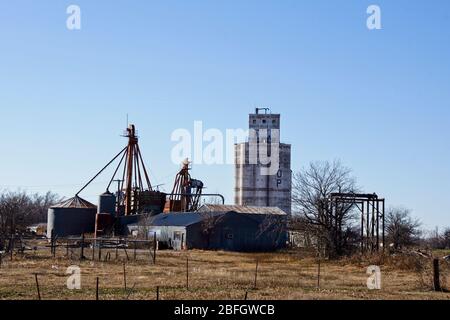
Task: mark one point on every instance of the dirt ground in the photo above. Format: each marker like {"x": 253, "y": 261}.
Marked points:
{"x": 212, "y": 275}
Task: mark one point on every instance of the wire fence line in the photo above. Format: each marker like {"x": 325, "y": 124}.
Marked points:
{"x": 177, "y": 275}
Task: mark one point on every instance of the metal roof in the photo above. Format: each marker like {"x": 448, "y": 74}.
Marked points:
{"x": 75, "y": 202}
{"x": 241, "y": 209}
{"x": 178, "y": 219}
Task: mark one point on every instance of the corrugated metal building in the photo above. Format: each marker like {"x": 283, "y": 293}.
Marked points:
{"x": 229, "y": 228}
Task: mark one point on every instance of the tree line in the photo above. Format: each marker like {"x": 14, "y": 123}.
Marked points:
{"x": 19, "y": 209}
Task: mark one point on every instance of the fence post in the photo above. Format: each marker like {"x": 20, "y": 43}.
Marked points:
{"x": 54, "y": 246}
{"x": 11, "y": 247}
{"x": 157, "y": 293}
{"x": 436, "y": 275}
{"x": 124, "y": 276}
{"x": 134, "y": 251}
{"x": 246, "y": 295}
{"x": 150, "y": 251}
{"x": 187, "y": 273}
{"x": 51, "y": 241}
{"x": 82, "y": 247}
{"x": 318, "y": 274}
{"x": 96, "y": 290}
{"x": 154, "y": 248}
{"x": 93, "y": 251}
{"x": 256, "y": 274}
{"x": 37, "y": 286}
{"x": 100, "y": 250}
{"x": 117, "y": 249}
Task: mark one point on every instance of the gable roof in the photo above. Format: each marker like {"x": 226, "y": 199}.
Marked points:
{"x": 241, "y": 209}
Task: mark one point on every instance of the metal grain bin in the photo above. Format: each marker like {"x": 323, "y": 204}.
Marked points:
{"x": 107, "y": 203}
{"x": 104, "y": 224}
{"x": 71, "y": 217}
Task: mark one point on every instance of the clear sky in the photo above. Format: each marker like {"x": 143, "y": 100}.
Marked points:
{"x": 377, "y": 100}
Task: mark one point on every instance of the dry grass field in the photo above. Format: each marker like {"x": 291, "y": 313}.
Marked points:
{"x": 214, "y": 275}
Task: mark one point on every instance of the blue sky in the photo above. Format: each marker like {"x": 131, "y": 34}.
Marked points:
{"x": 377, "y": 100}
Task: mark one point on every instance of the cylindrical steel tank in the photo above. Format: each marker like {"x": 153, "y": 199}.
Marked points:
{"x": 107, "y": 203}
{"x": 104, "y": 224}
{"x": 71, "y": 217}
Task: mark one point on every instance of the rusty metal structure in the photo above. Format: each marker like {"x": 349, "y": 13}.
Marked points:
{"x": 372, "y": 209}
{"x": 186, "y": 192}
{"x": 135, "y": 194}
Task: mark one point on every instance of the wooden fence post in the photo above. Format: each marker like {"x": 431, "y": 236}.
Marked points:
{"x": 436, "y": 275}
{"x": 124, "y": 276}
{"x": 187, "y": 273}
{"x": 37, "y": 286}
{"x": 96, "y": 290}
{"x": 100, "y": 250}
{"x": 256, "y": 274}
{"x": 318, "y": 274}
{"x": 154, "y": 248}
{"x": 246, "y": 296}
{"x": 82, "y": 247}
{"x": 11, "y": 247}
{"x": 54, "y": 246}
{"x": 157, "y": 293}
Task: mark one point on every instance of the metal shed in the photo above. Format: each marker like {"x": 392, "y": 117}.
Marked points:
{"x": 222, "y": 230}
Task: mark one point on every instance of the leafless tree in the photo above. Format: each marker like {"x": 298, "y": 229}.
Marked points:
{"x": 144, "y": 226}
{"x": 20, "y": 209}
{"x": 208, "y": 225}
{"x": 446, "y": 238}
{"x": 402, "y": 229}
{"x": 312, "y": 188}
{"x": 273, "y": 226}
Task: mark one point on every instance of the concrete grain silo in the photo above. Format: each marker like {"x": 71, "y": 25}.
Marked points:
{"x": 254, "y": 187}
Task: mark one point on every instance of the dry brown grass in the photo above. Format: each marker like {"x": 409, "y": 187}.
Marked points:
{"x": 213, "y": 275}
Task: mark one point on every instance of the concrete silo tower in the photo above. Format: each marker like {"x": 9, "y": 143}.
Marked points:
{"x": 263, "y": 165}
